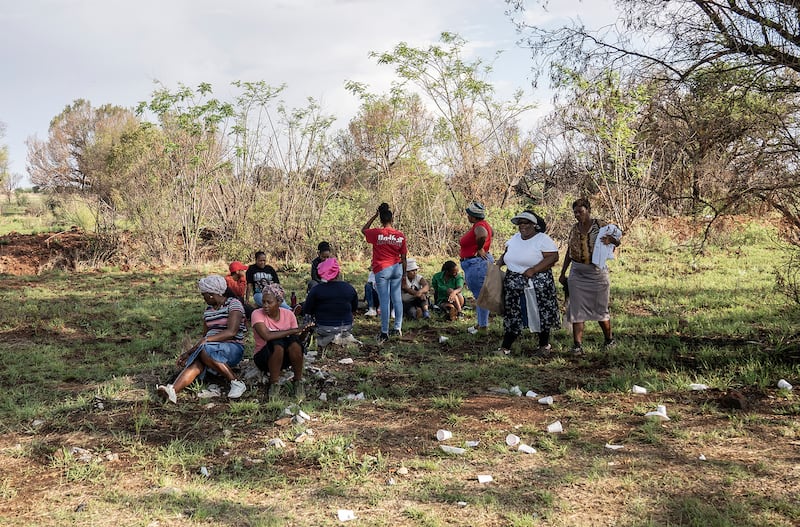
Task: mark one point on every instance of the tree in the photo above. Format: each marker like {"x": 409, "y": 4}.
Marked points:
{"x": 593, "y": 138}
{"x": 675, "y": 38}
{"x": 73, "y": 158}
{"x": 192, "y": 124}
{"x": 676, "y": 42}
{"x": 476, "y": 142}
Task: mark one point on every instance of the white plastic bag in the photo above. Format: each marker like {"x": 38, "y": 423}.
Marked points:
{"x": 534, "y": 322}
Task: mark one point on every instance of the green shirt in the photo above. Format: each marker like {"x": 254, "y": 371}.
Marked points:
{"x": 440, "y": 285}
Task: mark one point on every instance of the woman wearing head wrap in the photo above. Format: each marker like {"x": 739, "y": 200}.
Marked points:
{"x": 529, "y": 257}
{"x": 475, "y": 256}
{"x": 332, "y": 303}
{"x": 389, "y": 251}
{"x": 588, "y": 283}
{"x": 221, "y": 346}
{"x": 278, "y": 341}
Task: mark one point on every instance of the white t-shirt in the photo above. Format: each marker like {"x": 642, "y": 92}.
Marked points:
{"x": 521, "y": 254}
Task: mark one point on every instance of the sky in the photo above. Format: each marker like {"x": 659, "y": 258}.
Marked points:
{"x": 53, "y": 52}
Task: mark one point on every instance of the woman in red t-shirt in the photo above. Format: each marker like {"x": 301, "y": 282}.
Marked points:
{"x": 389, "y": 251}
{"x": 475, "y": 256}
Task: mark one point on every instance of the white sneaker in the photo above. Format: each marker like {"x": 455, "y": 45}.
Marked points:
{"x": 237, "y": 389}
{"x": 371, "y": 312}
{"x": 167, "y": 393}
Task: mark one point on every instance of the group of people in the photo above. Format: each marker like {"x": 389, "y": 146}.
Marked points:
{"x": 529, "y": 291}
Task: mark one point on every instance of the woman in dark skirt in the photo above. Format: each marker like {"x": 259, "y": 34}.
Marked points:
{"x": 529, "y": 257}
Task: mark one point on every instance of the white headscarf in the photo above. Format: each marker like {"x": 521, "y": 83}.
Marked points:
{"x": 212, "y": 283}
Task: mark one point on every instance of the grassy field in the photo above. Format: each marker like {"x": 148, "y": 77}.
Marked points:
{"x": 84, "y": 441}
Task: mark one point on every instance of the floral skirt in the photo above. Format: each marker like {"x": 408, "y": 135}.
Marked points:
{"x": 514, "y": 285}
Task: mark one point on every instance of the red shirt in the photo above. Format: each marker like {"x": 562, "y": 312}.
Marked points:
{"x": 387, "y": 246}
{"x": 237, "y": 287}
{"x": 469, "y": 242}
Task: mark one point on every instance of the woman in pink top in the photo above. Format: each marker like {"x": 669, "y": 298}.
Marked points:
{"x": 389, "y": 251}
{"x": 475, "y": 256}
{"x": 279, "y": 341}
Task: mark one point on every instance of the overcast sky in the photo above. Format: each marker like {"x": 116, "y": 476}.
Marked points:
{"x": 112, "y": 51}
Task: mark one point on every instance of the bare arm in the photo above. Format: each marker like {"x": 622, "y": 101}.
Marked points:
{"x": 369, "y": 223}
{"x": 563, "y": 276}
{"x": 480, "y": 239}
{"x": 267, "y": 335}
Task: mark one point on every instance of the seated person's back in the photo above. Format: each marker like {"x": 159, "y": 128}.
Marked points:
{"x": 332, "y": 302}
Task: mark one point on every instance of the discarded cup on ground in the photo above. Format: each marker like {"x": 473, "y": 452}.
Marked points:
{"x": 546, "y": 400}
{"x": 698, "y": 387}
{"x": 783, "y": 384}
{"x": 442, "y": 339}
{"x": 443, "y": 435}
{"x": 472, "y": 330}
{"x": 472, "y": 444}
{"x": 452, "y": 449}
{"x": 526, "y": 449}
{"x": 614, "y": 447}
{"x": 345, "y": 515}
{"x": 485, "y": 478}
{"x": 555, "y": 428}
{"x": 346, "y": 360}
{"x": 512, "y": 440}
{"x": 639, "y": 389}
{"x": 204, "y": 471}
{"x": 702, "y": 457}
{"x": 531, "y": 394}
{"x": 515, "y": 391}
{"x": 659, "y": 413}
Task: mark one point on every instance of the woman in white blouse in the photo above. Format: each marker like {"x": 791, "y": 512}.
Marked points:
{"x": 529, "y": 257}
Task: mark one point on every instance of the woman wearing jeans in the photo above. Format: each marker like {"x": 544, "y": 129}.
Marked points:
{"x": 475, "y": 257}
{"x": 389, "y": 265}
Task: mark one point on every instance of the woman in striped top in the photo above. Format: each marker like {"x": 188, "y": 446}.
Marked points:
{"x": 221, "y": 346}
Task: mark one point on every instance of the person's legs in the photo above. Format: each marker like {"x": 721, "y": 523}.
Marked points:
{"x": 382, "y": 285}
{"x": 220, "y": 356}
{"x": 513, "y": 285}
{"x": 257, "y": 299}
{"x": 368, "y": 298}
{"x": 577, "y": 333}
{"x": 544, "y": 338}
{"x": 295, "y": 351}
{"x": 275, "y": 363}
{"x": 460, "y": 303}
{"x": 605, "y": 325}
{"x": 396, "y": 294}
{"x": 188, "y": 375}
{"x": 475, "y": 274}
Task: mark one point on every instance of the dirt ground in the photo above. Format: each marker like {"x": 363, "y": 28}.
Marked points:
{"x": 32, "y": 254}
